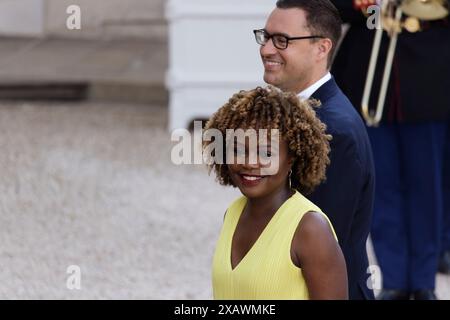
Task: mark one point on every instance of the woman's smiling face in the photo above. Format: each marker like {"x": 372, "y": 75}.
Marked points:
{"x": 252, "y": 177}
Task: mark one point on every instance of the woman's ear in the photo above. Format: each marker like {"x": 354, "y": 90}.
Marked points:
{"x": 291, "y": 161}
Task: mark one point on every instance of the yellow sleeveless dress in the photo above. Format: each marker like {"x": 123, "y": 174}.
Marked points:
{"x": 266, "y": 271}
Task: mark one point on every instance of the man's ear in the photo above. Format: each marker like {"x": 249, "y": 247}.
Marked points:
{"x": 324, "y": 48}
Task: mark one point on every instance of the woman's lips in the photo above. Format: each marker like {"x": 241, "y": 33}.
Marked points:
{"x": 250, "y": 181}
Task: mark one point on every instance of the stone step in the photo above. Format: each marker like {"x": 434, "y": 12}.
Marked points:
{"x": 98, "y": 91}
{"x": 129, "y": 92}
{"x": 52, "y": 68}
{"x": 44, "y": 91}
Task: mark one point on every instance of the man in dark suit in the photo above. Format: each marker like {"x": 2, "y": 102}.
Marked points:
{"x": 444, "y": 260}
{"x": 297, "y": 45}
{"x": 407, "y": 146}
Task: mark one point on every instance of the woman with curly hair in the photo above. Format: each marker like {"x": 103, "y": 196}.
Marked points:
{"x": 275, "y": 243}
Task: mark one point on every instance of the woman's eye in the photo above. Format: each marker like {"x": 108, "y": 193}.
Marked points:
{"x": 265, "y": 152}
{"x": 266, "y": 155}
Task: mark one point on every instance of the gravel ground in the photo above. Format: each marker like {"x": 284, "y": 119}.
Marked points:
{"x": 92, "y": 185}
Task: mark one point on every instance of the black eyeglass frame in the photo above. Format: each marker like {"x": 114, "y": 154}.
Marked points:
{"x": 270, "y": 36}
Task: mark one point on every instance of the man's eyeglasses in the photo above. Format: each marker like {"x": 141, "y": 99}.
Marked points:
{"x": 280, "y": 41}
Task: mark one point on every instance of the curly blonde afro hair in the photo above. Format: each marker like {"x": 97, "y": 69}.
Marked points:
{"x": 270, "y": 108}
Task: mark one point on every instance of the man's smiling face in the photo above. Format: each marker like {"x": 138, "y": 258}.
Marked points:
{"x": 290, "y": 69}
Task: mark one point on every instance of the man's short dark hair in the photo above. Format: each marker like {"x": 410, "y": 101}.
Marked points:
{"x": 322, "y": 18}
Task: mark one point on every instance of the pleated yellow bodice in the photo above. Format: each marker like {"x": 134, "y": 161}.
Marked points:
{"x": 266, "y": 271}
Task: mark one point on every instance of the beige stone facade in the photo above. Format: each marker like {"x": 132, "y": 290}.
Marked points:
{"x": 100, "y": 19}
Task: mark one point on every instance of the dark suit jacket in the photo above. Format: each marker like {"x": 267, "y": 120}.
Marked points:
{"x": 347, "y": 195}
{"x": 420, "y": 79}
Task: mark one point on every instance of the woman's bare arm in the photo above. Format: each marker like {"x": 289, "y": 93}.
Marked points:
{"x": 320, "y": 258}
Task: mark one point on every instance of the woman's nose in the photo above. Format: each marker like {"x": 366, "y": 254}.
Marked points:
{"x": 252, "y": 161}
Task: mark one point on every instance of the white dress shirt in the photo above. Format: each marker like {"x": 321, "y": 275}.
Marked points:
{"x": 306, "y": 94}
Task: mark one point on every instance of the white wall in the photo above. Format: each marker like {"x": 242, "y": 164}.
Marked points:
{"x": 212, "y": 54}
{"x": 22, "y": 17}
